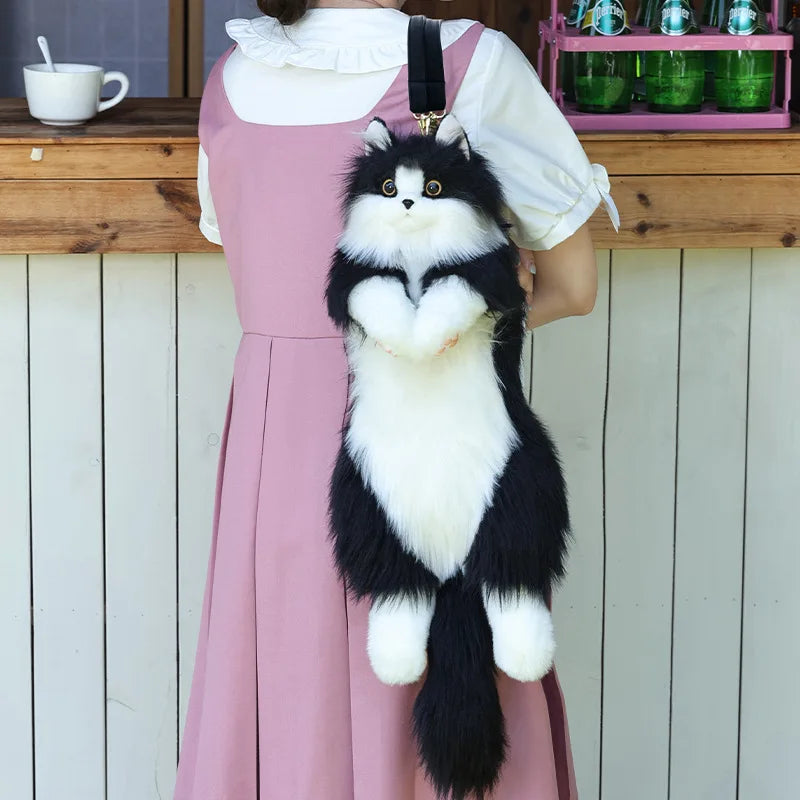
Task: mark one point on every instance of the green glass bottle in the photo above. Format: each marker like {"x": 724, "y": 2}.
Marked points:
{"x": 713, "y": 14}
{"x": 744, "y": 78}
{"x": 574, "y": 20}
{"x": 604, "y": 80}
{"x": 675, "y": 77}
{"x": 645, "y": 16}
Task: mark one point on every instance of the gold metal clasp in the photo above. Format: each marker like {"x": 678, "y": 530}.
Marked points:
{"x": 429, "y": 121}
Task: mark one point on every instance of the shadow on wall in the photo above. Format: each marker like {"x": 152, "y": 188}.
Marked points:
{"x": 127, "y": 35}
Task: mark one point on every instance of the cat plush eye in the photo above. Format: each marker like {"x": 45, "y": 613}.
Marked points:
{"x": 389, "y": 188}
{"x": 433, "y": 189}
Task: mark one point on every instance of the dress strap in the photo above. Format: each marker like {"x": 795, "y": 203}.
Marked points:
{"x": 457, "y": 59}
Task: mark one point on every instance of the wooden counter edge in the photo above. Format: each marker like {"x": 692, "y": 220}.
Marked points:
{"x": 157, "y": 216}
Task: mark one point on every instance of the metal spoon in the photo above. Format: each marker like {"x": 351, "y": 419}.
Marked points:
{"x": 46, "y": 52}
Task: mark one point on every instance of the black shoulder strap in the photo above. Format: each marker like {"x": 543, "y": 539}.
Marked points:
{"x": 426, "y": 86}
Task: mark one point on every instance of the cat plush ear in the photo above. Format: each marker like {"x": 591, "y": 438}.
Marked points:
{"x": 451, "y": 132}
{"x": 377, "y": 136}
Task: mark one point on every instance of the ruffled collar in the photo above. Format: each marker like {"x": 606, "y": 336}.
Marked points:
{"x": 340, "y": 39}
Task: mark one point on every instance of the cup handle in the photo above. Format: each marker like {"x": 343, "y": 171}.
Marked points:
{"x": 115, "y": 76}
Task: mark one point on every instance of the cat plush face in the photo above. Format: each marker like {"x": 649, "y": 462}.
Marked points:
{"x": 421, "y": 195}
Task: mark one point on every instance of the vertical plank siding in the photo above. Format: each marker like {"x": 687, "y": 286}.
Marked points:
{"x": 709, "y": 522}
{"x": 139, "y": 358}
{"x": 675, "y": 408}
{"x": 66, "y": 433}
{"x": 569, "y": 391}
{"x": 16, "y": 691}
{"x": 770, "y": 693}
{"x": 640, "y": 506}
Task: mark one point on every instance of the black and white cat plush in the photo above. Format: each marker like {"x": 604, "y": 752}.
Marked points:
{"x": 448, "y": 507}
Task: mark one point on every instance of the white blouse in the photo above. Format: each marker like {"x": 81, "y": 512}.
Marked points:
{"x": 335, "y": 65}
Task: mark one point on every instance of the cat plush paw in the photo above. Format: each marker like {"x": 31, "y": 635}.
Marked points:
{"x": 447, "y": 310}
{"x": 382, "y": 308}
{"x": 397, "y": 642}
{"x": 522, "y": 634}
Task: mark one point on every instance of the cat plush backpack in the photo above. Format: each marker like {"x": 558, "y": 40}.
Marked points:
{"x": 447, "y": 502}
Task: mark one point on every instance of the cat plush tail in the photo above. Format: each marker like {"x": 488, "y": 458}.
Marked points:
{"x": 458, "y": 721}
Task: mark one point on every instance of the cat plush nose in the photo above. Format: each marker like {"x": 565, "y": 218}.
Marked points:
{"x": 408, "y": 203}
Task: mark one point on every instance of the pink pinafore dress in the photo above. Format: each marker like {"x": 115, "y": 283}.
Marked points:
{"x": 284, "y": 704}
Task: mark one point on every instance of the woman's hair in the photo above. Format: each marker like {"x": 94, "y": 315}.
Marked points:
{"x": 285, "y": 11}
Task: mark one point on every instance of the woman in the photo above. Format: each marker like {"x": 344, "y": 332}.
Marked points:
{"x": 284, "y": 705}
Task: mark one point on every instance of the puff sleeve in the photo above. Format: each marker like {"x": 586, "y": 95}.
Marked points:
{"x": 551, "y": 187}
{"x": 208, "y": 216}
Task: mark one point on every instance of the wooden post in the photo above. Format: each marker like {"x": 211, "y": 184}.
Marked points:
{"x": 196, "y": 47}
{"x": 177, "y": 48}
{"x": 186, "y": 48}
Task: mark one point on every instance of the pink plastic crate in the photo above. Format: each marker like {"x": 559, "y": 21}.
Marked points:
{"x": 557, "y": 37}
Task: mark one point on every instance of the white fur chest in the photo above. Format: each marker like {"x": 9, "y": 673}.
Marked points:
{"x": 431, "y": 438}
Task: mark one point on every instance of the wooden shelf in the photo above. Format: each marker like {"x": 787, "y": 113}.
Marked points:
{"x": 127, "y": 183}
{"x": 134, "y": 121}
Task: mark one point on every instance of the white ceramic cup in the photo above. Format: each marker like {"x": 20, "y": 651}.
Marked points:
{"x": 71, "y": 95}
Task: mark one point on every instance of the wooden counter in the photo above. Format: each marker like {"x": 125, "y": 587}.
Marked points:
{"x": 126, "y": 183}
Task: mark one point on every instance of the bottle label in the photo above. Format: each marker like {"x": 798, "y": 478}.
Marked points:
{"x": 607, "y": 17}
{"x": 676, "y": 17}
{"x": 744, "y": 17}
{"x": 577, "y": 13}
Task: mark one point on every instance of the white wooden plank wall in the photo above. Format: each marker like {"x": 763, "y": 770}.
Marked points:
{"x": 640, "y": 502}
{"x": 67, "y": 521}
{"x": 140, "y": 548}
{"x": 675, "y": 406}
{"x": 16, "y": 711}
{"x": 709, "y": 523}
{"x": 569, "y": 393}
{"x": 770, "y": 690}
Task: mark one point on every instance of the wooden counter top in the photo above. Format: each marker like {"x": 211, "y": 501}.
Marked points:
{"x": 126, "y": 182}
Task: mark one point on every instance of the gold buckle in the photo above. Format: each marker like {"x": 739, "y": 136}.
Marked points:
{"x": 429, "y": 121}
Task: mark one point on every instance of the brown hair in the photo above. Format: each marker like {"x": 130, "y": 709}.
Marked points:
{"x": 285, "y": 11}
